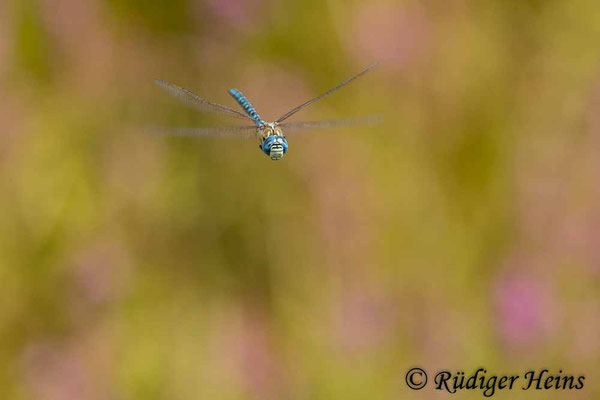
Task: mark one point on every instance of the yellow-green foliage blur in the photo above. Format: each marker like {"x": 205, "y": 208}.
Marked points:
{"x": 463, "y": 232}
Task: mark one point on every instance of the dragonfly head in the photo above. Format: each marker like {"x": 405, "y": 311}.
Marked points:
{"x": 275, "y": 147}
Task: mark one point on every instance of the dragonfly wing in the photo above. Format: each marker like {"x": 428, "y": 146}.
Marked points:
{"x": 371, "y": 120}
{"x": 194, "y": 101}
{"x": 220, "y": 132}
{"x": 338, "y": 87}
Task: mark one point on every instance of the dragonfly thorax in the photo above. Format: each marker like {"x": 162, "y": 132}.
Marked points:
{"x": 267, "y": 129}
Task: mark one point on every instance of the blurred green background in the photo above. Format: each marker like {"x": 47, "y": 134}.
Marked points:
{"x": 463, "y": 232}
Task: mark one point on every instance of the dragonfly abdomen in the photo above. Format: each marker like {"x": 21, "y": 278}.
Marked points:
{"x": 243, "y": 101}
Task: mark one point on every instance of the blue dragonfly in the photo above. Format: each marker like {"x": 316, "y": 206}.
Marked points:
{"x": 272, "y": 141}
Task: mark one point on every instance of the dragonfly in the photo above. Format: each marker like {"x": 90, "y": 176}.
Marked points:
{"x": 273, "y": 143}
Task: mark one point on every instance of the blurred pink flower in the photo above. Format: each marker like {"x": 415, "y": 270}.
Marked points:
{"x": 590, "y": 226}
{"x": 363, "y": 322}
{"x": 585, "y": 326}
{"x": 257, "y": 357}
{"x": 54, "y": 373}
{"x": 242, "y": 352}
{"x": 560, "y": 197}
{"x": 84, "y": 41}
{"x": 581, "y": 239}
{"x": 100, "y": 271}
{"x": 523, "y": 308}
{"x": 387, "y": 32}
{"x": 236, "y": 12}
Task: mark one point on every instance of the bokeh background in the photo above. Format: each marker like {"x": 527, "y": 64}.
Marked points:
{"x": 462, "y": 232}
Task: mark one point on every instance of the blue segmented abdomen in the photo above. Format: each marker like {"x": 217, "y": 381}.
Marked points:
{"x": 243, "y": 101}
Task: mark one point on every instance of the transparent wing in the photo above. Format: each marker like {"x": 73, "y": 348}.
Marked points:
{"x": 220, "y": 132}
{"x": 370, "y": 120}
{"x": 338, "y": 87}
{"x": 194, "y": 101}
